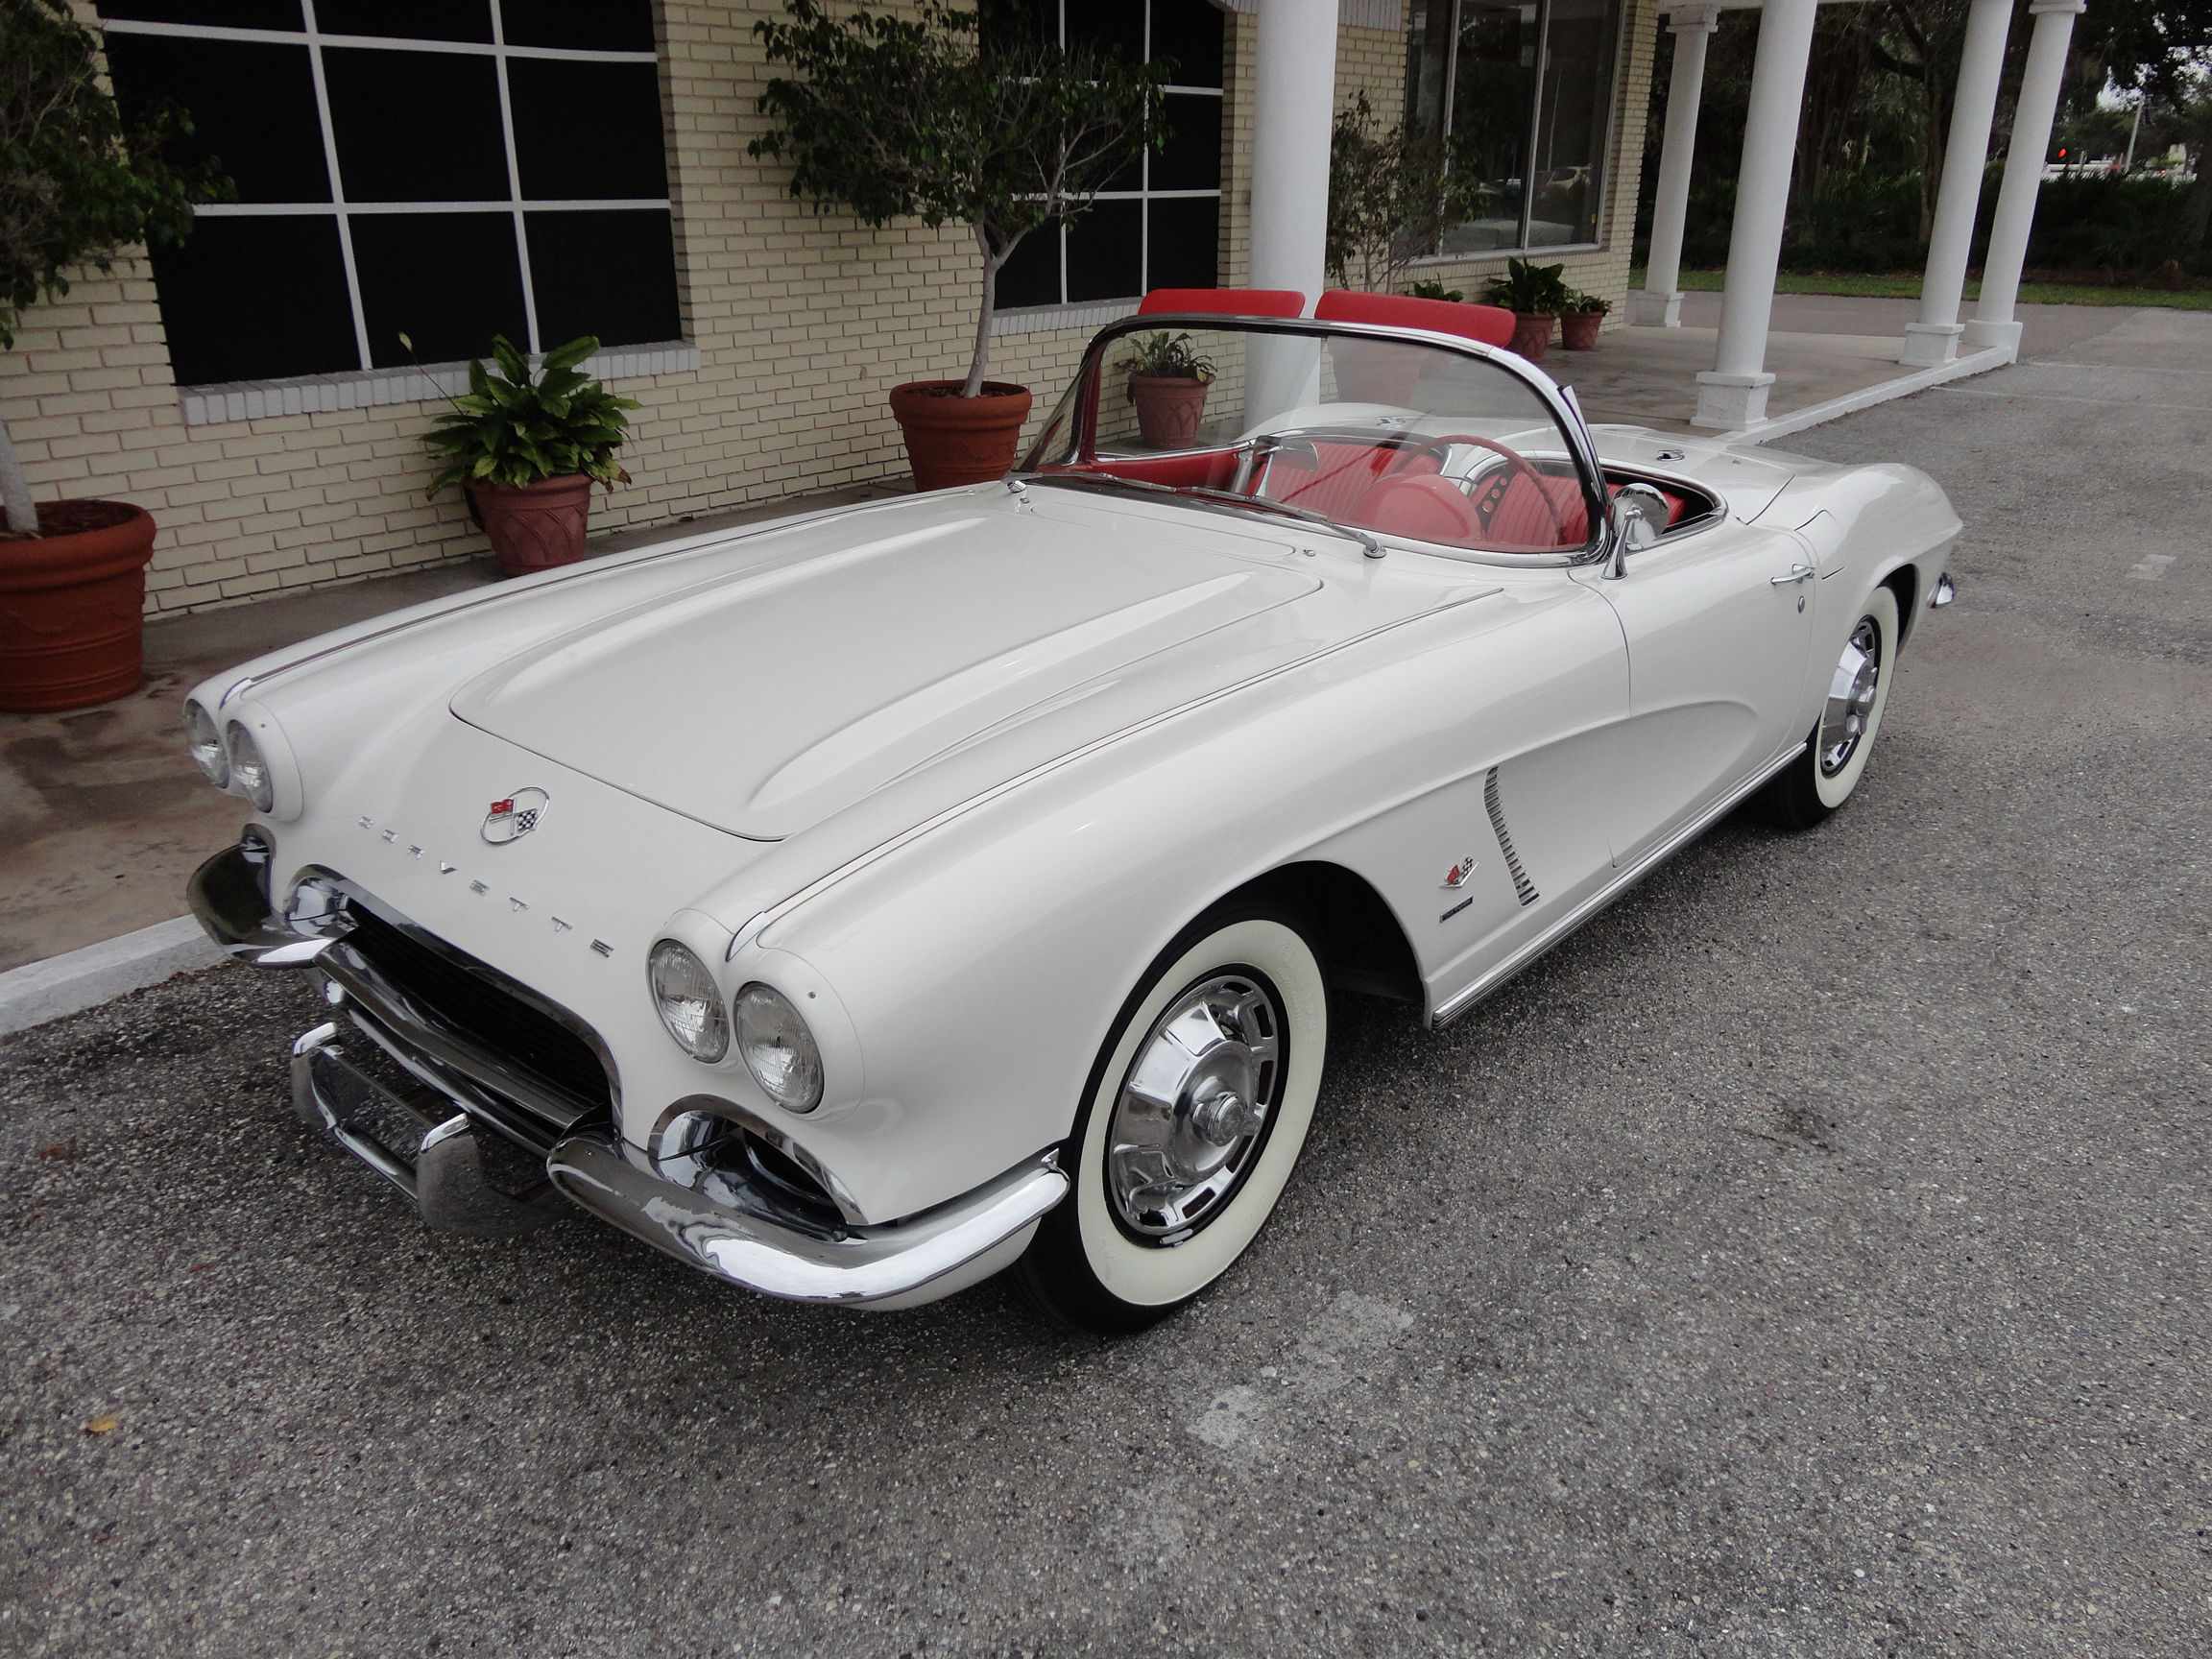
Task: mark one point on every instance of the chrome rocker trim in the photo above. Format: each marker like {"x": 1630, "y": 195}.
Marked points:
{"x": 847, "y": 1265}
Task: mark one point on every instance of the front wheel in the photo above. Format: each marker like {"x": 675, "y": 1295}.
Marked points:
{"x": 1822, "y": 778}
{"x": 1192, "y": 1119}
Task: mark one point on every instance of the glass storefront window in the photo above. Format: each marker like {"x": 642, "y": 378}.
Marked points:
{"x": 1521, "y": 96}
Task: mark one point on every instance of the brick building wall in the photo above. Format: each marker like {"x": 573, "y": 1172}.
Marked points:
{"x": 799, "y": 325}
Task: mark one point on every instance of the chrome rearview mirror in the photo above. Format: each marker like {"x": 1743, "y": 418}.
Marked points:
{"x": 1635, "y": 521}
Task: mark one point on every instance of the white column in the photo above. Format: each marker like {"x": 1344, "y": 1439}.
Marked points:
{"x": 1733, "y": 393}
{"x": 1294, "y": 103}
{"x": 2038, "y": 105}
{"x": 1934, "y": 337}
{"x": 1660, "y": 303}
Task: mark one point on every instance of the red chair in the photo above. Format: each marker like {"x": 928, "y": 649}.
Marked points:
{"x": 1234, "y": 302}
{"x": 1491, "y": 325}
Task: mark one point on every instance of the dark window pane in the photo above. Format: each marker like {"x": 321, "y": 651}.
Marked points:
{"x": 1031, "y": 274}
{"x": 255, "y": 298}
{"x": 407, "y": 20}
{"x": 612, "y": 274}
{"x": 448, "y": 280}
{"x": 1004, "y": 22}
{"x": 1105, "y": 253}
{"x": 1189, "y": 32}
{"x": 1185, "y": 246}
{"x": 1493, "y": 96}
{"x": 1192, "y": 158}
{"x": 417, "y": 126}
{"x": 1101, "y": 24}
{"x": 253, "y": 108}
{"x": 222, "y": 14}
{"x": 583, "y": 25}
{"x": 588, "y": 130}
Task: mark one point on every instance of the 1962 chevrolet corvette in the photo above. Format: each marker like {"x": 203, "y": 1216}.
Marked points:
{"x": 860, "y": 905}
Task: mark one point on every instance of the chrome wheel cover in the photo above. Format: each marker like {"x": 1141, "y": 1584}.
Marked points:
{"x": 1851, "y": 694}
{"x": 1192, "y": 1113}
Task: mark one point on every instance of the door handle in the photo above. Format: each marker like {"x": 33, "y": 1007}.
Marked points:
{"x": 1797, "y": 573}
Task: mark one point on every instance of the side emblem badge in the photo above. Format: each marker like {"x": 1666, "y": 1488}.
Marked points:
{"x": 1453, "y": 883}
{"x": 515, "y": 817}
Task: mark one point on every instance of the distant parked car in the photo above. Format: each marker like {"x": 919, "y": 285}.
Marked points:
{"x": 859, "y": 905}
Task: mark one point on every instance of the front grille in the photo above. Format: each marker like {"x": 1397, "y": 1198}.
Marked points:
{"x": 492, "y": 1018}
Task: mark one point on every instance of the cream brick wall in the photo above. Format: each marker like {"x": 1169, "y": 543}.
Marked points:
{"x": 802, "y": 322}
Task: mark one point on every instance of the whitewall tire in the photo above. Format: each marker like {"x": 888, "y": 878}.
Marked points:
{"x": 1192, "y": 1121}
{"x": 1837, "y": 751}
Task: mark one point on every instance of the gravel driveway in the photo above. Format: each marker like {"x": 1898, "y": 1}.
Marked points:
{"x": 1810, "y": 1259}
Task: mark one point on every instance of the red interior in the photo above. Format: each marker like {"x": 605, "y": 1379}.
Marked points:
{"x": 1382, "y": 487}
{"x": 1226, "y": 301}
{"x": 1491, "y": 325}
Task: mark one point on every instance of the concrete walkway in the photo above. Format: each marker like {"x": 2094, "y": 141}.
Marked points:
{"x": 1823, "y": 346}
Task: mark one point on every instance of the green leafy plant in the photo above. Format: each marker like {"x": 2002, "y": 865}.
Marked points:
{"x": 78, "y": 186}
{"x": 1582, "y": 304}
{"x": 1435, "y": 291}
{"x": 1390, "y": 195}
{"x": 511, "y": 429}
{"x": 1165, "y": 356}
{"x": 923, "y": 117}
{"x": 1533, "y": 290}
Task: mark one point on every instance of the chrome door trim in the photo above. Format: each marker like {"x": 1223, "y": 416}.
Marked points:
{"x": 1485, "y": 984}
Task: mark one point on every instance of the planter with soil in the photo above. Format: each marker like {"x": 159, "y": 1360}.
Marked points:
{"x": 72, "y": 603}
{"x": 533, "y": 526}
{"x": 1169, "y": 408}
{"x": 1533, "y": 334}
{"x": 952, "y": 440}
{"x": 1578, "y": 329}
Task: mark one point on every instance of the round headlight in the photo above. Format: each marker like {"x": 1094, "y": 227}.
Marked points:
{"x": 206, "y": 745}
{"x": 248, "y": 771}
{"x": 778, "y": 1049}
{"x": 690, "y": 1001}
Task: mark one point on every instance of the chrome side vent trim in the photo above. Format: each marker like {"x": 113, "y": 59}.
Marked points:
{"x": 1522, "y": 885}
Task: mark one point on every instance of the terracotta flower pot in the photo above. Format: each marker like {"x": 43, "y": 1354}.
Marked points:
{"x": 954, "y": 440}
{"x": 1375, "y": 371}
{"x": 1531, "y": 334}
{"x": 1169, "y": 408}
{"x": 535, "y": 527}
{"x": 1578, "y": 329}
{"x": 71, "y": 605}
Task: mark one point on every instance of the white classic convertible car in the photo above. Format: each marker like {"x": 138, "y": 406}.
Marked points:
{"x": 860, "y": 905}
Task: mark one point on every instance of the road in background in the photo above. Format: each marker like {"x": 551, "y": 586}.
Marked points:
{"x": 1809, "y": 1258}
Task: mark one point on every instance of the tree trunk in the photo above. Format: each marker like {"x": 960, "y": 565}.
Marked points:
{"x": 15, "y": 489}
{"x": 2196, "y": 210}
{"x": 980, "y": 360}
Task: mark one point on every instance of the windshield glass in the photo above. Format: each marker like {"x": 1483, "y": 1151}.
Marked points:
{"x": 1388, "y": 436}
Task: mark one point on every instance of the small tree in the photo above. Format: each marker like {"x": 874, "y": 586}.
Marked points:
{"x": 924, "y": 117}
{"x": 76, "y": 186}
{"x": 1390, "y": 194}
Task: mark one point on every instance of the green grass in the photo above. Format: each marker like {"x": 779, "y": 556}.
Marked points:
{"x": 1906, "y": 286}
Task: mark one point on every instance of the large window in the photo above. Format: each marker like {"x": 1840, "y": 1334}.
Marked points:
{"x": 1521, "y": 96}
{"x": 1159, "y": 225}
{"x": 444, "y": 168}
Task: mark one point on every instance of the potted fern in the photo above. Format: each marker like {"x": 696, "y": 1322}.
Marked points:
{"x": 1536, "y": 294}
{"x": 927, "y": 116}
{"x": 77, "y": 188}
{"x": 1168, "y": 382}
{"x": 528, "y": 449}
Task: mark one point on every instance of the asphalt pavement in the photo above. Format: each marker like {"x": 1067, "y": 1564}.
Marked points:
{"x": 1809, "y": 1258}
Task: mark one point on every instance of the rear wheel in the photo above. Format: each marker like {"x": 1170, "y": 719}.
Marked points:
{"x": 1822, "y": 778}
{"x": 1194, "y": 1115}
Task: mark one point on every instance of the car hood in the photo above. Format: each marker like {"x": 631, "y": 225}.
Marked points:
{"x": 768, "y": 692}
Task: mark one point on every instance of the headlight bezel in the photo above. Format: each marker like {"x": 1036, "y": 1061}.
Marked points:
{"x": 251, "y": 773}
{"x": 709, "y": 1043}
{"x": 201, "y": 732}
{"x": 797, "y": 1085}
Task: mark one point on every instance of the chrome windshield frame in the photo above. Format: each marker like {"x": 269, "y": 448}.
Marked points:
{"x": 1564, "y": 409}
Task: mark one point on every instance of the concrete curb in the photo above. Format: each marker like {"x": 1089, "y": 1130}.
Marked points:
{"x": 79, "y": 979}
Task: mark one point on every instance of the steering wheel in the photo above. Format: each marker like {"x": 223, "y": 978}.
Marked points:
{"x": 1515, "y": 461}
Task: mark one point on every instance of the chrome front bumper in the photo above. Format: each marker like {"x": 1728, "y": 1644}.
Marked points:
{"x": 468, "y": 1141}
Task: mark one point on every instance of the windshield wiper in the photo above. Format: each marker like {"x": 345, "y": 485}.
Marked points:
{"x": 1205, "y": 497}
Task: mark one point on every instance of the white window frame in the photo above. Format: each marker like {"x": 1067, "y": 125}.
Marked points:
{"x": 513, "y": 204}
